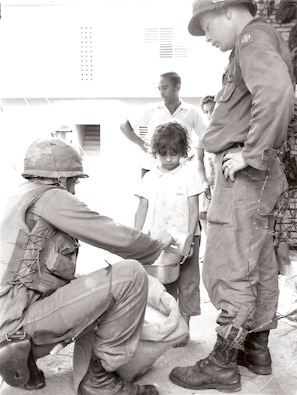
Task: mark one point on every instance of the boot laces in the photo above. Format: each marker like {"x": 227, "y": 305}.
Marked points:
{"x": 125, "y": 387}
{"x": 205, "y": 361}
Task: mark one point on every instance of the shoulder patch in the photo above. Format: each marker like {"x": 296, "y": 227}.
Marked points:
{"x": 246, "y": 39}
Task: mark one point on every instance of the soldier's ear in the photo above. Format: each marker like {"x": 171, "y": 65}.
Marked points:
{"x": 228, "y": 12}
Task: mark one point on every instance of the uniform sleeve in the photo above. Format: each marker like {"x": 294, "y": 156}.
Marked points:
{"x": 267, "y": 78}
{"x": 68, "y": 214}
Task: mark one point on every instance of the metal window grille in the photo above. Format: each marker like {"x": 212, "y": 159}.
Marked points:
{"x": 163, "y": 39}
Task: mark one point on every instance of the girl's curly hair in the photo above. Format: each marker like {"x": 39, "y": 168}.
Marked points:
{"x": 170, "y": 137}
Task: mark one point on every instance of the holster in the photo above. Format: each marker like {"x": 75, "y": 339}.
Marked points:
{"x": 17, "y": 364}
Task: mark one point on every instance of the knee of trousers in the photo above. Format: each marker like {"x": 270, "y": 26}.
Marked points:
{"x": 134, "y": 270}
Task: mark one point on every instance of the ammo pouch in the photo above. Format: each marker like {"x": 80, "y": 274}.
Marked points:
{"x": 45, "y": 260}
{"x": 17, "y": 365}
{"x": 58, "y": 263}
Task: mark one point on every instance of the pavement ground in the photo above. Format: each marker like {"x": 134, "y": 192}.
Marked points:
{"x": 282, "y": 343}
{"x": 101, "y": 192}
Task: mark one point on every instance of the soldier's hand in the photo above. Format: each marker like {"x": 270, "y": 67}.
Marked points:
{"x": 232, "y": 163}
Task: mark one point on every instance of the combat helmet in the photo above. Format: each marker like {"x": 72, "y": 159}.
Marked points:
{"x": 202, "y": 6}
{"x": 52, "y": 158}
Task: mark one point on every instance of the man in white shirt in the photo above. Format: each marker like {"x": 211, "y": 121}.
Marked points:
{"x": 171, "y": 109}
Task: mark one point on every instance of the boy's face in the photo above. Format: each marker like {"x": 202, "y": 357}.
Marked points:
{"x": 218, "y": 28}
{"x": 170, "y": 161}
{"x": 208, "y": 109}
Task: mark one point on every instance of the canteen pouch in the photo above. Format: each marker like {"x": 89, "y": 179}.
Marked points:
{"x": 17, "y": 364}
{"x": 14, "y": 355}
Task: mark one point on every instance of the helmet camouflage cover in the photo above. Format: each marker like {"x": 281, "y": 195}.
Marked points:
{"x": 52, "y": 158}
{"x": 202, "y": 6}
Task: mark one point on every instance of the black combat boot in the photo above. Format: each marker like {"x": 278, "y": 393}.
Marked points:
{"x": 217, "y": 371}
{"x": 99, "y": 382}
{"x": 255, "y": 355}
{"x": 36, "y": 380}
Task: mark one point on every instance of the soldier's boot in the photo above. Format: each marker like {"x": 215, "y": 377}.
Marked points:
{"x": 217, "y": 371}
{"x": 97, "y": 381}
{"x": 256, "y": 355}
{"x": 36, "y": 380}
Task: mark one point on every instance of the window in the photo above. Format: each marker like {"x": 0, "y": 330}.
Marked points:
{"x": 163, "y": 38}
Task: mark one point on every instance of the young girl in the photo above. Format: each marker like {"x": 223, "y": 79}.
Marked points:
{"x": 168, "y": 195}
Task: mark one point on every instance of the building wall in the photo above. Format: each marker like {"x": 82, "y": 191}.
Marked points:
{"x": 102, "y": 49}
{"x": 98, "y": 62}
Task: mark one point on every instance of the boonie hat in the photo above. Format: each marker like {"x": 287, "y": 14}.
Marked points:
{"x": 202, "y": 6}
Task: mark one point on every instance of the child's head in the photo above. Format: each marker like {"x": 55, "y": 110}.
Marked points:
{"x": 170, "y": 138}
{"x": 207, "y": 104}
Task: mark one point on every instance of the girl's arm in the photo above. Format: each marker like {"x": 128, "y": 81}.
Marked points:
{"x": 201, "y": 168}
{"x": 193, "y": 213}
{"x": 141, "y": 213}
{"x": 201, "y": 172}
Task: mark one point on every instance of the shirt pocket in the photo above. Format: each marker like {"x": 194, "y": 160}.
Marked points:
{"x": 226, "y": 92}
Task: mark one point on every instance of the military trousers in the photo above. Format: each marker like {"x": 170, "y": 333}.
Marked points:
{"x": 109, "y": 301}
{"x": 240, "y": 265}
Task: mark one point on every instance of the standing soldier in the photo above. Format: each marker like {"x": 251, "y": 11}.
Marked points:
{"x": 248, "y": 126}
